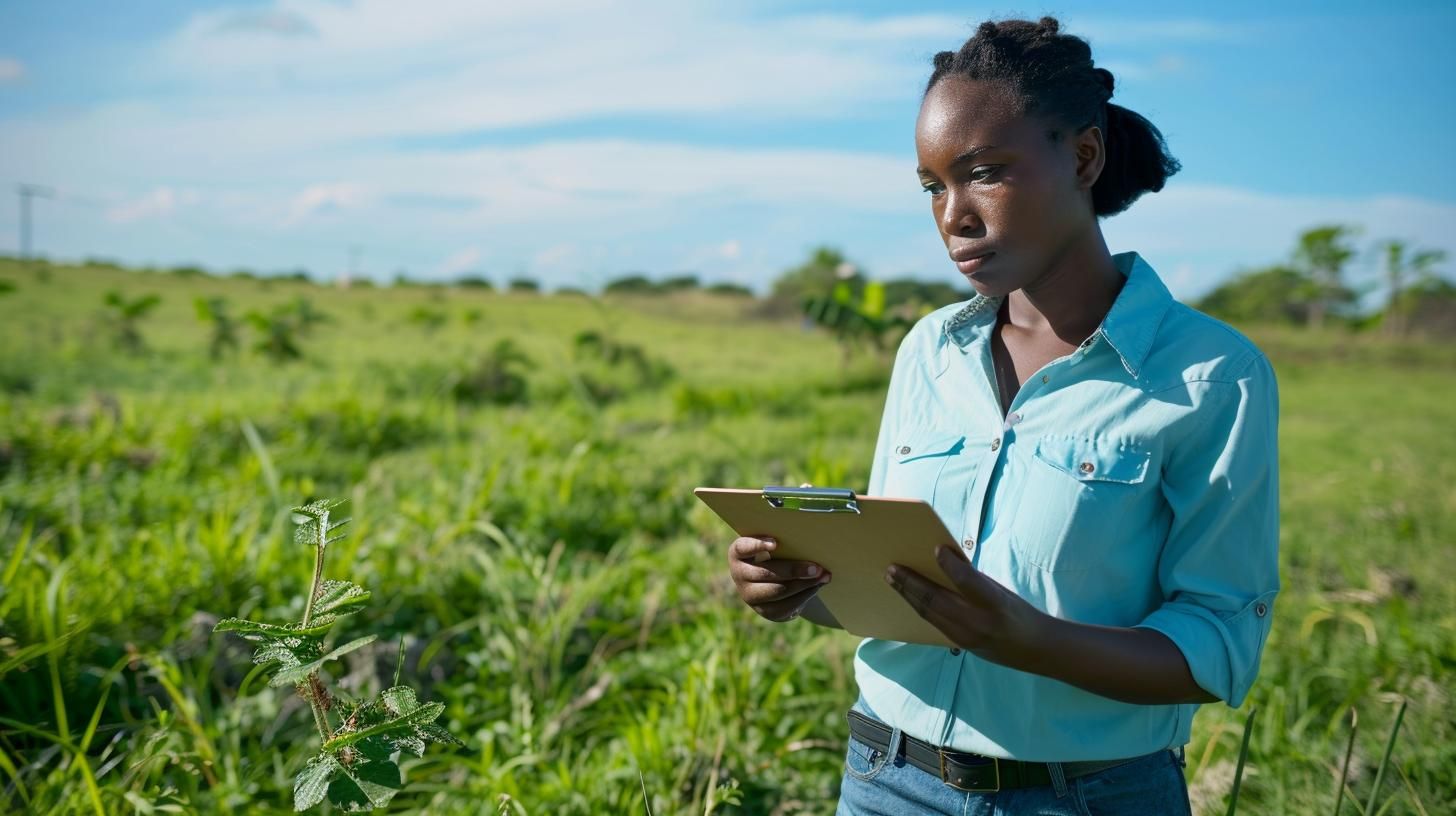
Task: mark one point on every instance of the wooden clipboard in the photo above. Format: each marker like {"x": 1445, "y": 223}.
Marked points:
{"x": 854, "y": 537}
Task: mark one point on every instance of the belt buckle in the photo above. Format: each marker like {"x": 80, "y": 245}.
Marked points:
{"x": 945, "y": 777}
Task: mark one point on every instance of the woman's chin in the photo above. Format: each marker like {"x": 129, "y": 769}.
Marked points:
{"x": 985, "y": 288}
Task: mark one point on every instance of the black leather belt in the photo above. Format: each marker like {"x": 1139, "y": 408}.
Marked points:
{"x": 966, "y": 771}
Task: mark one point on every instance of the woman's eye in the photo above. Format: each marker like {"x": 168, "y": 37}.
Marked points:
{"x": 984, "y": 172}
{"x": 932, "y": 187}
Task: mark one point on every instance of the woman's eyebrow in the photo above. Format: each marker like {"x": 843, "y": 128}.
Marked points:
{"x": 961, "y": 159}
{"x": 971, "y": 154}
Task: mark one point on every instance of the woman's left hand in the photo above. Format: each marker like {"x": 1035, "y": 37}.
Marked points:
{"x": 979, "y": 615}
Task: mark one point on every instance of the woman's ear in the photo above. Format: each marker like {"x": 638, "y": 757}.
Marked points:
{"x": 1091, "y": 152}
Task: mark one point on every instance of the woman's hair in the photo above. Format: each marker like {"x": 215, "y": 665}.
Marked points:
{"x": 1053, "y": 74}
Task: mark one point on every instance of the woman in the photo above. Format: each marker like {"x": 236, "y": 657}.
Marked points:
{"x": 1105, "y": 455}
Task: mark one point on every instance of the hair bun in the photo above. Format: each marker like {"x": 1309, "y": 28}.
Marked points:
{"x": 1049, "y": 25}
{"x": 1104, "y": 78}
{"x": 987, "y": 30}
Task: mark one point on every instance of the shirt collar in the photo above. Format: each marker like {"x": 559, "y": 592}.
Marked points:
{"x": 1130, "y": 326}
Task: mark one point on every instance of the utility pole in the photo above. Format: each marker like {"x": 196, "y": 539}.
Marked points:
{"x": 27, "y": 192}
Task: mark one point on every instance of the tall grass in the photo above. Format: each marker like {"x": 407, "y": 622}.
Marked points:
{"x": 567, "y": 600}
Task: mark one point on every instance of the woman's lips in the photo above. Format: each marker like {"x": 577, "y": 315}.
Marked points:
{"x": 974, "y": 265}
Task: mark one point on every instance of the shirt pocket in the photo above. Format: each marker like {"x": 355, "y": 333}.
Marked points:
{"x": 917, "y": 460}
{"x": 1080, "y": 498}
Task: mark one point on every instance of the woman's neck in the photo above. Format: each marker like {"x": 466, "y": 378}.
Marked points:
{"x": 1070, "y": 300}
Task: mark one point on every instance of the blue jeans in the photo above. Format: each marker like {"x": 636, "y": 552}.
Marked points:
{"x": 873, "y": 784}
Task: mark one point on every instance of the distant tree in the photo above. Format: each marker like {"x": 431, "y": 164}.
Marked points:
{"x": 474, "y": 282}
{"x": 678, "y": 283}
{"x": 125, "y": 316}
{"x": 630, "y": 285}
{"x": 1428, "y": 307}
{"x": 1402, "y": 268}
{"x": 523, "y": 285}
{"x": 571, "y": 291}
{"x": 216, "y": 312}
{"x": 189, "y": 271}
{"x": 1273, "y": 294}
{"x": 854, "y": 319}
{"x": 915, "y": 295}
{"x": 729, "y": 289}
{"x": 1320, "y": 257}
{"x": 817, "y": 277}
{"x": 300, "y": 275}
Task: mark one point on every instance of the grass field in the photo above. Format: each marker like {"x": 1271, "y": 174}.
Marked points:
{"x": 555, "y": 582}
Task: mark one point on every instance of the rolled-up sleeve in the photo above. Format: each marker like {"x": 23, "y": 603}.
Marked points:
{"x": 1219, "y": 569}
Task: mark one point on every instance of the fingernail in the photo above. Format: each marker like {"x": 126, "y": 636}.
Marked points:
{"x": 811, "y": 570}
{"x": 891, "y": 574}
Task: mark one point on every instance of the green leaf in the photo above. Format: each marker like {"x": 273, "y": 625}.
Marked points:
{"x": 434, "y": 733}
{"x": 313, "y": 781}
{"x": 368, "y": 784}
{"x": 337, "y": 598}
{"x": 297, "y": 674}
{"x": 400, "y": 700}
{"x": 288, "y": 653}
{"x": 426, "y": 713}
{"x": 253, "y": 630}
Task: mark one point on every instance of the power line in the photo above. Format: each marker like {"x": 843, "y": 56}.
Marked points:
{"x": 27, "y": 192}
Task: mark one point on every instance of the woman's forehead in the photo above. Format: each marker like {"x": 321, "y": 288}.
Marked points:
{"x": 959, "y": 111}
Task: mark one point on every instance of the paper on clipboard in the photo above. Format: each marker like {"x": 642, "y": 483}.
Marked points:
{"x": 854, "y": 537}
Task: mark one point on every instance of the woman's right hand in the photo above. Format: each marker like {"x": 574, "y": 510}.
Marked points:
{"x": 775, "y": 588}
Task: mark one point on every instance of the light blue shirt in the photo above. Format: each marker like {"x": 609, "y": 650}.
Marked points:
{"x": 1134, "y": 483}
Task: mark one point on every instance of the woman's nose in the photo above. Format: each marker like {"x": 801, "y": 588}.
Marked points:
{"x": 959, "y": 216}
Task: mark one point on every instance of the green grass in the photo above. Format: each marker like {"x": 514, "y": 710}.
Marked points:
{"x": 566, "y": 596}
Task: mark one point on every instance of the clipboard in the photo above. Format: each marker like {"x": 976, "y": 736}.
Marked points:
{"x": 854, "y": 537}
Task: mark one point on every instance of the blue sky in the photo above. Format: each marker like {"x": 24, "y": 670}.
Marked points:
{"x": 575, "y": 141}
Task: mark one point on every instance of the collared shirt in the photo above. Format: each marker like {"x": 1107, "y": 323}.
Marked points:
{"x": 1134, "y": 483}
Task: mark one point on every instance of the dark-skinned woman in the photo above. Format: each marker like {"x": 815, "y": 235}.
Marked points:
{"x": 1106, "y": 457}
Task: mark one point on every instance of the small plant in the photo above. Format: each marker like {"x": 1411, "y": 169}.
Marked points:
{"x": 356, "y": 768}
{"x": 428, "y": 318}
{"x": 278, "y": 334}
{"x": 215, "y": 310}
{"x": 125, "y": 315}
{"x": 498, "y": 377}
{"x": 609, "y": 369}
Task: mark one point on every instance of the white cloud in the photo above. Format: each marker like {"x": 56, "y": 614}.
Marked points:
{"x": 323, "y": 199}
{"x": 11, "y": 70}
{"x": 278, "y": 23}
{"x": 461, "y": 261}
{"x": 159, "y": 203}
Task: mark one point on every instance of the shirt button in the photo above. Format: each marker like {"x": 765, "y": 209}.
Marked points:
{"x": 1086, "y": 467}
{"x": 969, "y": 543}
{"x": 904, "y": 450}
{"x": 995, "y": 444}
{"x": 1260, "y": 609}
{"x": 955, "y": 651}
{"x": 1045, "y": 377}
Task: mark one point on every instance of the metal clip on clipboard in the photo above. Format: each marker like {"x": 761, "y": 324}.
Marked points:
{"x": 812, "y": 499}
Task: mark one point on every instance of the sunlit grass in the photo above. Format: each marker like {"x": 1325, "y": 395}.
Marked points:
{"x": 566, "y": 597}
